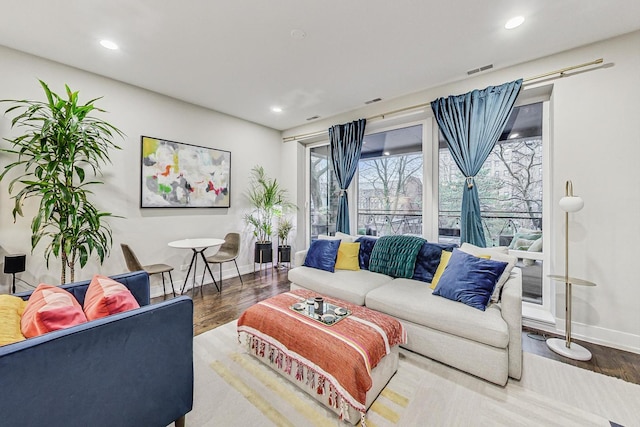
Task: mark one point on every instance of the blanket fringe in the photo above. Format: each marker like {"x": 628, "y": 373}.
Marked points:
{"x": 321, "y": 385}
{"x": 312, "y": 378}
{"x": 288, "y": 362}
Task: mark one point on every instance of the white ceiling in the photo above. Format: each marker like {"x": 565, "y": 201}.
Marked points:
{"x": 238, "y": 57}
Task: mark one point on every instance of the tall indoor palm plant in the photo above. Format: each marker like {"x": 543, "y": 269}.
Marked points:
{"x": 268, "y": 199}
{"x": 62, "y": 142}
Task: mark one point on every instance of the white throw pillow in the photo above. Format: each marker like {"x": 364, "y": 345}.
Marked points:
{"x": 498, "y": 253}
{"x": 327, "y": 237}
{"x": 347, "y": 238}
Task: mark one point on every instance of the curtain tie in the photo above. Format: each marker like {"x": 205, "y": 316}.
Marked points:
{"x": 470, "y": 182}
{"x": 343, "y": 192}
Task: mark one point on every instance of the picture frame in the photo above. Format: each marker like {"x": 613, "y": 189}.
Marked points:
{"x": 179, "y": 175}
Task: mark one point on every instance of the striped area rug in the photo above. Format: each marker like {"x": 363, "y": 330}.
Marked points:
{"x": 234, "y": 389}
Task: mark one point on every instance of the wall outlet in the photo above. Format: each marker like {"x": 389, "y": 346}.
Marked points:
{"x": 184, "y": 267}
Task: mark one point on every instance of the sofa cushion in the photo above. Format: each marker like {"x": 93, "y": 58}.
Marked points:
{"x": 428, "y": 260}
{"x": 105, "y": 297}
{"x": 410, "y": 300}
{"x": 348, "y": 256}
{"x": 322, "y": 255}
{"x": 469, "y": 279}
{"x": 396, "y": 255}
{"x": 366, "y": 247}
{"x": 351, "y": 286}
{"x": 50, "y": 308}
{"x": 497, "y": 254}
{"x": 11, "y": 309}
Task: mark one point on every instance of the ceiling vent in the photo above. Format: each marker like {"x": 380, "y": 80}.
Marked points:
{"x": 477, "y": 70}
{"x": 373, "y": 100}
{"x": 313, "y": 118}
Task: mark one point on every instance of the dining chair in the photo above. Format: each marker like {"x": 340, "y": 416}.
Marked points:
{"x": 133, "y": 264}
{"x": 228, "y": 251}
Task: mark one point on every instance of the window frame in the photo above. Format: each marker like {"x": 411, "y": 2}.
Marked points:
{"x": 385, "y": 126}
{"x": 533, "y": 314}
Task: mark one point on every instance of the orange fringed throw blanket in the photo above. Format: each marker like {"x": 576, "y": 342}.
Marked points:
{"x": 341, "y": 355}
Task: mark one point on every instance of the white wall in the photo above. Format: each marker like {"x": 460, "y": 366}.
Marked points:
{"x": 136, "y": 112}
{"x": 595, "y": 141}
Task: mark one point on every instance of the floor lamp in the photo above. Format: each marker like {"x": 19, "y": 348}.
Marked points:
{"x": 569, "y": 203}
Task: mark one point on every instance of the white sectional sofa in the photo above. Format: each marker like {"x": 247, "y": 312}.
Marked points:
{"x": 486, "y": 343}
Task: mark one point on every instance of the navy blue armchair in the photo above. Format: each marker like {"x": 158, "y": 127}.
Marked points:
{"x": 129, "y": 369}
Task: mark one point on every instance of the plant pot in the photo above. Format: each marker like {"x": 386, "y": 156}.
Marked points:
{"x": 284, "y": 253}
{"x": 263, "y": 253}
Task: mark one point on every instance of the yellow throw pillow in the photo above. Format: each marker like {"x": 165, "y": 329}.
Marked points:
{"x": 11, "y": 309}
{"x": 444, "y": 260}
{"x": 348, "y": 256}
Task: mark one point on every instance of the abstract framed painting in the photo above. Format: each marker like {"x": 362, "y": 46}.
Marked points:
{"x": 179, "y": 175}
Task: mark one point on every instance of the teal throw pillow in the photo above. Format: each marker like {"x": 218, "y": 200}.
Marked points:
{"x": 469, "y": 279}
{"x": 322, "y": 255}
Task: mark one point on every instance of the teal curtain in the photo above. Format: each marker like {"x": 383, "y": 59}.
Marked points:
{"x": 346, "y": 147}
{"x": 471, "y": 125}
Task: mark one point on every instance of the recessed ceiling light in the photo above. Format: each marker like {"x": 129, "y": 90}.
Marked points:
{"x": 298, "y": 34}
{"x": 514, "y": 22}
{"x": 514, "y": 135}
{"x": 386, "y": 153}
{"x": 108, "y": 44}
{"x": 276, "y": 109}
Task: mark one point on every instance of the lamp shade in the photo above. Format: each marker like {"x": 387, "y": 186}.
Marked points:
{"x": 571, "y": 203}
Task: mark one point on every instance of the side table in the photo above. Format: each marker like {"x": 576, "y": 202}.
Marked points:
{"x": 197, "y": 246}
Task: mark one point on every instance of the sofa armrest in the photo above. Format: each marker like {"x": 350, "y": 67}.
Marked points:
{"x": 299, "y": 257}
{"x": 511, "y": 305}
{"x": 131, "y": 368}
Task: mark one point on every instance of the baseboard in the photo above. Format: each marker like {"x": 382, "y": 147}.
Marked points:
{"x": 592, "y": 334}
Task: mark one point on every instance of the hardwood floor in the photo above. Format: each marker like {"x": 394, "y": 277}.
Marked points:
{"x": 213, "y": 308}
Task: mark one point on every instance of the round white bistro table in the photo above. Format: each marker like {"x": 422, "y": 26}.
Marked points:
{"x": 198, "y": 246}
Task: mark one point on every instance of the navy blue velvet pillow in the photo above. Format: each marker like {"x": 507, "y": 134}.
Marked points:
{"x": 322, "y": 255}
{"x": 366, "y": 246}
{"x": 428, "y": 260}
{"x": 469, "y": 279}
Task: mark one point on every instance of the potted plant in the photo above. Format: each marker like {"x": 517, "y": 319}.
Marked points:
{"x": 284, "y": 249}
{"x": 268, "y": 199}
{"x": 62, "y": 145}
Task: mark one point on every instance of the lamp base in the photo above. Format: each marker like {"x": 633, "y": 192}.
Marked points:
{"x": 576, "y": 351}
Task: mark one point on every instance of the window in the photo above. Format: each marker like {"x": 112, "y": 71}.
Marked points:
{"x": 323, "y": 193}
{"x": 510, "y": 197}
{"x": 390, "y": 183}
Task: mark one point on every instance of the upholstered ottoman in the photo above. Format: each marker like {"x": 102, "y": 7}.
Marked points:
{"x": 344, "y": 366}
